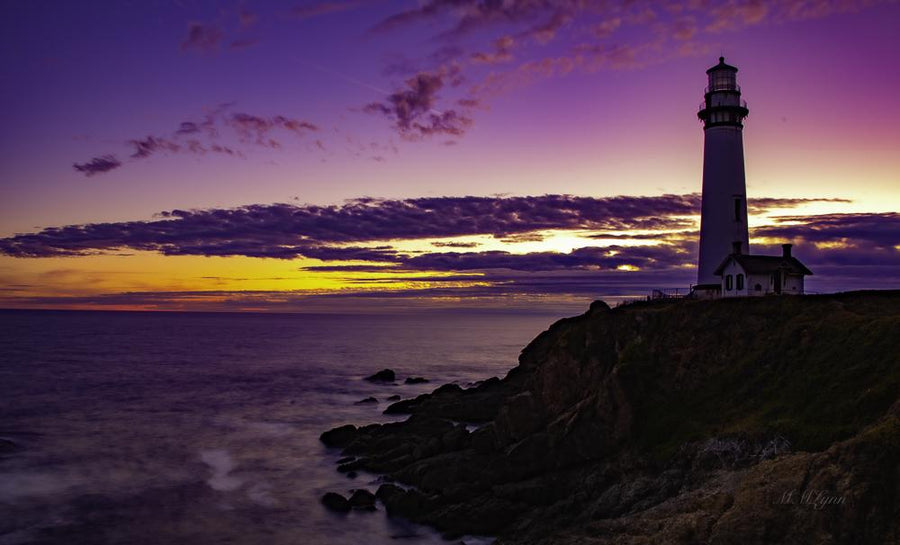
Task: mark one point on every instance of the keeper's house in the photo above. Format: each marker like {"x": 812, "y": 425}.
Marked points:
{"x": 748, "y": 275}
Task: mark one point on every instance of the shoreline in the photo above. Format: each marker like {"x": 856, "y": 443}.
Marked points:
{"x": 639, "y": 424}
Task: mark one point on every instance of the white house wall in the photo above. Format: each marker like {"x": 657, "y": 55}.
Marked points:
{"x": 765, "y": 282}
{"x": 793, "y": 284}
{"x": 733, "y": 268}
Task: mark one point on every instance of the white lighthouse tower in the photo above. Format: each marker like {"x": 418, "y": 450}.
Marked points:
{"x": 723, "y": 217}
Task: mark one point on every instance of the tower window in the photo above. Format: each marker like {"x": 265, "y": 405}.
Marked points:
{"x": 729, "y": 282}
{"x": 737, "y": 209}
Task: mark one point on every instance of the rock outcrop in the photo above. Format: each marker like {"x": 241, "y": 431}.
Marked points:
{"x": 746, "y": 421}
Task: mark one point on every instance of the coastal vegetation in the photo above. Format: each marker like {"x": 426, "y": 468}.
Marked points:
{"x": 754, "y": 420}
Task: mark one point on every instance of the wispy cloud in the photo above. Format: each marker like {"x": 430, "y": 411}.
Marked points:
{"x": 148, "y": 146}
{"x": 247, "y": 18}
{"x": 98, "y": 165}
{"x": 473, "y": 14}
{"x": 477, "y": 43}
{"x": 502, "y": 52}
{"x": 731, "y": 15}
{"x": 873, "y": 230}
{"x": 413, "y": 109}
{"x": 613, "y": 35}
{"x": 202, "y": 137}
{"x": 256, "y": 129}
{"x": 243, "y": 43}
{"x": 665, "y": 255}
{"x": 152, "y": 145}
{"x": 543, "y": 18}
{"x": 202, "y": 37}
{"x": 308, "y": 10}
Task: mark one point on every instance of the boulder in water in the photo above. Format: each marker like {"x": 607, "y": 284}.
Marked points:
{"x": 335, "y": 502}
{"x": 340, "y": 436}
{"x": 362, "y": 499}
{"x": 385, "y": 375}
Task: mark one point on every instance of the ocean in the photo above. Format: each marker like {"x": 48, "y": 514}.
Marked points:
{"x": 162, "y": 428}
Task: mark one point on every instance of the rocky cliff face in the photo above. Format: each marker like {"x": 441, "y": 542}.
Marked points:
{"x": 771, "y": 420}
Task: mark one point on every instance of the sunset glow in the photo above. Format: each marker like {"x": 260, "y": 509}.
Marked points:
{"x": 224, "y": 156}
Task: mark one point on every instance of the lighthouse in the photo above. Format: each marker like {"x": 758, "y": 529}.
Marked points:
{"x": 723, "y": 215}
{"x": 726, "y": 268}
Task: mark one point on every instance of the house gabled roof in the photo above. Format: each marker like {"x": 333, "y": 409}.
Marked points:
{"x": 765, "y": 264}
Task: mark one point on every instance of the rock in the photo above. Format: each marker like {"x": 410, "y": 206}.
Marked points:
{"x": 340, "y": 436}
{"x": 652, "y": 423}
{"x": 351, "y": 466}
{"x": 476, "y": 404}
{"x": 484, "y": 440}
{"x": 448, "y": 388}
{"x": 394, "y": 397}
{"x": 387, "y": 491}
{"x": 335, "y": 502}
{"x": 401, "y": 407}
{"x": 598, "y": 307}
{"x": 455, "y": 439}
{"x": 415, "y": 380}
{"x": 385, "y": 375}
{"x": 518, "y": 417}
{"x": 493, "y": 381}
{"x": 410, "y": 504}
{"x": 362, "y": 499}
{"x": 346, "y": 460}
{"x": 366, "y": 401}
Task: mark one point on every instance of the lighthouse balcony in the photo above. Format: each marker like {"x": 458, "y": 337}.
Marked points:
{"x": 738, "y": 104}
{"x": 722, "y": 86}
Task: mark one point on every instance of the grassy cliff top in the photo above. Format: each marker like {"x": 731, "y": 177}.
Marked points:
{"x": 813, "y": 369}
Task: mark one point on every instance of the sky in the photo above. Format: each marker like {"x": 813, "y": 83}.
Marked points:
{"x": 341, "y": 155}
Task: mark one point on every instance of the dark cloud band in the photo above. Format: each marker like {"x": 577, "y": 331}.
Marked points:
{"x": 652, "y": 247}
{"x": 336, "y": 233}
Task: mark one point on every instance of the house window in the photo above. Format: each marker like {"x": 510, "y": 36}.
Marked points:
{"x": 729, "y": 282}
{"x": 758, "y": 288}
{"x": 740, "y": 281}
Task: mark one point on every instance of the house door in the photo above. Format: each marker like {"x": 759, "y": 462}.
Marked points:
{"x": 777, "y": 278}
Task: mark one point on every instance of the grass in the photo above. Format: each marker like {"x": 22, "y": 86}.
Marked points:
{"x": 813, "y": 369}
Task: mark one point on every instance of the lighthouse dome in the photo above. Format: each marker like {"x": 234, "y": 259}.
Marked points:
{"x": 722, "y": 66}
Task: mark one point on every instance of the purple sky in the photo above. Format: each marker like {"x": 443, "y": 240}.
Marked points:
{"x": 427, "y": 151}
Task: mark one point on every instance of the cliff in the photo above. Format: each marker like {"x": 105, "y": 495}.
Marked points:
{"x": 766, "y": 420}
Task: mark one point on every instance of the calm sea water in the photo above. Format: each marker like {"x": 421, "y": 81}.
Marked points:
{"x": 203, "y": 428}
